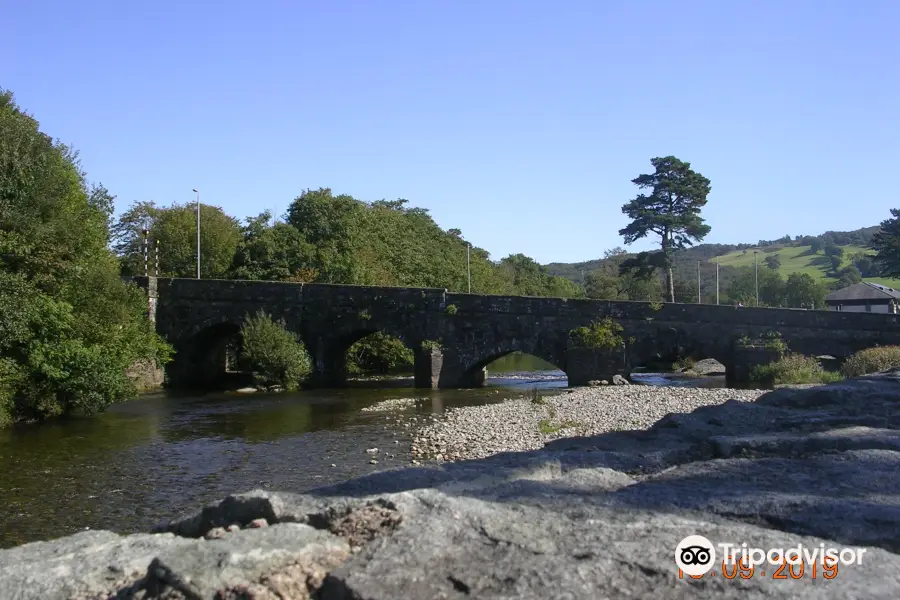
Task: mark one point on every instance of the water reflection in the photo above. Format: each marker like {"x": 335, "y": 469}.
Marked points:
{"x": 149, "y": 459}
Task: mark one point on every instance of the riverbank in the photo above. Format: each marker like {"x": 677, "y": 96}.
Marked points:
{"x": 599, "y": 516}
{"x": 527, "y": 423}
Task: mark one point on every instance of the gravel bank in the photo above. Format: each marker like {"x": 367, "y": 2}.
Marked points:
{"x": 392, "y": 404}
{"x": 523, "y": 424}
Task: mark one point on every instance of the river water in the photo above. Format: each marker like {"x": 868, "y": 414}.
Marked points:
{"x": 155, "y": 457}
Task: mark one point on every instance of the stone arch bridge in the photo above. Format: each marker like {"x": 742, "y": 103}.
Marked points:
{"x": 197, "y": 316}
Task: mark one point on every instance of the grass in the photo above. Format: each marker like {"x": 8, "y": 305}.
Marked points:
{"x": 872, "y": 360}
{"x": 799, "y": 259}
{"x": 547, "y": 426}
{"x": 793, "y": 369}
{"x": 536, "y": 397}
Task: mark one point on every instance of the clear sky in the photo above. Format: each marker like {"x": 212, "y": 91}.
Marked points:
{"x": 519, "y": 122}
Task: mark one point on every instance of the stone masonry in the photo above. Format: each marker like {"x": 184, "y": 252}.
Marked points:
{"x": 471, "y": 330}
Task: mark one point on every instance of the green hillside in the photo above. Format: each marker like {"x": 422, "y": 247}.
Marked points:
{"x": 800, "y": 259}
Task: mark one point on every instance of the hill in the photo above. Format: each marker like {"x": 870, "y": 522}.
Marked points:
{"x": 798, "y": 254}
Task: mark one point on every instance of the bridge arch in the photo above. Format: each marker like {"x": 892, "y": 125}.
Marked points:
{"x": 206, "y": 355}
{"x": 474, "y": 366}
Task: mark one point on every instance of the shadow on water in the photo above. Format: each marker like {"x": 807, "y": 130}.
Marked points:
{"x": 149, "y": 459}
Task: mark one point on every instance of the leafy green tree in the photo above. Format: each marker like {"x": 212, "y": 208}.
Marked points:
{"x": 848, "y": 276}
{"x": 802, "y": 291}
{"x": 886, "y": 243}
{"x": 69, "y": 326}
{"x": 866, "y": 264}
{"x": 272, "y": 353}
{"x": 671, "y": 210}
{"x": 815, "y": 244}
{"x": 773, "y": 262}
{"x": 331, "y": 224}
{"x": 175, "y": 229}
{"x": 835, "y": 262}
{"x": 271, "y": 252}
{"x": 380, "y": 354}
{"x": 771, "y": 287}
{"x": 833, "y": 250}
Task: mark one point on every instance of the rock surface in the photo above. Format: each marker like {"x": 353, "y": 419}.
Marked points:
{"x": 591, "y": 517}
{"x": 706, "y": 367}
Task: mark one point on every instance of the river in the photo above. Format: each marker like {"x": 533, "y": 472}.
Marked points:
{"x": 163, "y": 454}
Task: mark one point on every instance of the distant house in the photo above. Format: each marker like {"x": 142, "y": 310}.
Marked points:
{"x": 864, "y": 297}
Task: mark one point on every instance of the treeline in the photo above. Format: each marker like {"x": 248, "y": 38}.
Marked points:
{"x": 325, "y": 238}
{"x": 736, "y": 285}
{"x": 69, "y": 327}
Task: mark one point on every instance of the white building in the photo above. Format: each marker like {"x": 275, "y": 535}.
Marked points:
{"x": 864, "y": 297}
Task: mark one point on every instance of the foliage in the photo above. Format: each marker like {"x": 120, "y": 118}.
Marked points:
{"x": 175, "y": 230}
{"x": 451, "y": 309}
{"x": 431, "y": 345}
{"x": 871, "y": 360}
{"x": 535, "y": 395}
{"x": 273, "y": 354}
{"x": 671, "y": 211}
{"x": 793, "y": 369}
{"x": 802, "y": 291}
{"x": 772, "y": 290}
{"x": 772, "y": 341}
{"x": 272, "y": 252}
{"x": 605, "y": 333}
{"x": 772, "y": 261}
{"x": 69, "y": 326}
{"x": 380, "y": 354}
{"x": 886, "y": 244}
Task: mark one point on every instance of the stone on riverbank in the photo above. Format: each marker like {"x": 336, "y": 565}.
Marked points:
{"x": 589, "y": 517}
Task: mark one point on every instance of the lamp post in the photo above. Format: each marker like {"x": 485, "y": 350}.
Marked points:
{"x": 198, "y": 232}
{"x": 756, "y": 275}
{"x": 699, "y": 297}
{"x": 717, "y": 282}
{"x": 469, "y": 266}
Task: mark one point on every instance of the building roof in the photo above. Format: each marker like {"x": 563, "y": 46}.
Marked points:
{"x": 863, "y": 291}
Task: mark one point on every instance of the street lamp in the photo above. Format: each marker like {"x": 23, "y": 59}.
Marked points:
{"x": 468, "y": 266}
{"x": 198, "y": 232}
{"x": 756, "y": 275}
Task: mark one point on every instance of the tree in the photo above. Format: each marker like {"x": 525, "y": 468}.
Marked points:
{"x": 802, "y": 291}
{"x": 773, "y": 262}
{"x": 771, "y": 287}
{"x": 69, "y": 326}
{"x": 671, "y": 210}
{"x": 175, "y": 229}
{"x": 886, "y": 243}
{"x": 835, "y": 262}
{"x": 833, "y": 250}
{"x": 848, "y": 276}
{"x": 274, "y": 252}
{"x": 815, "y": 244}
{"x": 272, "y": 353}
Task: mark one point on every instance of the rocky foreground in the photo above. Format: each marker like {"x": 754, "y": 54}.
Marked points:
{"x": 589, "y": 517}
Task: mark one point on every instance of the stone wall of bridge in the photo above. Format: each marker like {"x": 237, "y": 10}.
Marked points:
{"x": 473, "y": 330}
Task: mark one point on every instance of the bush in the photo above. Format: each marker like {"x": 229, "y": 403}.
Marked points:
{"x": 793, "y": 369}
{"x": 379, "y": 354}
{"x": 600, "y": 334}
{"x": 272, "y": 353}
{"x": 872, "y": 360}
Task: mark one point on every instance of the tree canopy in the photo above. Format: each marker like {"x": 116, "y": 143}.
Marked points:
{"x": 886, "y": 243}
{"x": 69, "y": 327}
{"x": 671, "y": 210}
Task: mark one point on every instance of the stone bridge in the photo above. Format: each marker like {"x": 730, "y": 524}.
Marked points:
{"x": 198, "y": 317}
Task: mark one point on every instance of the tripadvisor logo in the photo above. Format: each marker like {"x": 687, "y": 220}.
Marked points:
{"x": 695, "y": 555}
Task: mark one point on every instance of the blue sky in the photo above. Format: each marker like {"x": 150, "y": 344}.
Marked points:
{"x": 521, "y": 123}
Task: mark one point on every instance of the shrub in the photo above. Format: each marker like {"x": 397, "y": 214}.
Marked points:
{"x": 793, "y": 369}
{"x": 600, "y": 334}
{"x": 451, "y": 309}
{"x": 272, "y": 353}
{"x": 871, "y": 360}
{"x": 431, "y": 345}
{"x": 379, "y": 353}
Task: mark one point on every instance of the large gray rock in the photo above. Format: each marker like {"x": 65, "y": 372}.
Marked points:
{"x": 593, "y": 517}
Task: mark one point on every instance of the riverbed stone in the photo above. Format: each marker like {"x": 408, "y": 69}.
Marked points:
{"x": 584, "y": 517}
